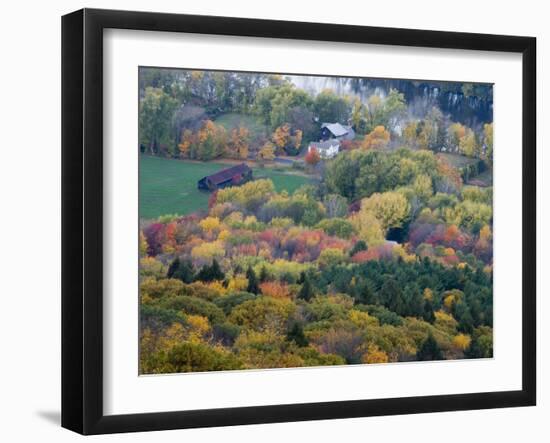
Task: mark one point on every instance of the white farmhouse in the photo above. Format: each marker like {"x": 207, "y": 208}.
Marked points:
{"x": 326, "y": 149}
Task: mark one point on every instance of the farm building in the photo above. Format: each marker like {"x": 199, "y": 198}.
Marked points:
{"x": 235, "y": 175}
{"x": 336, "y": 131}
{"x": 326, "y": 149}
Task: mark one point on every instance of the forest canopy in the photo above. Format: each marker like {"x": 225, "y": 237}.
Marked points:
{"x": 385, "y": 254}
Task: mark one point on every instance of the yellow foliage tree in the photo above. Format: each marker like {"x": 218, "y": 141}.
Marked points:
{"x": 281, "y": 136}
{"x": 251, "y": 193}
{"x": 378, "y": 138}
{"x": 238, "y": 146}
{"x": 455, "y": 133}
{"x": 267, "y": 151}
{"x": 237, "y": 283}
{"x": 375, "y": 355}
{"x": 485, "y": 233}
{"x": 297, "y": 138}
{"x": 423, "y": 187}
{"x": 462, "y": 341}
{"x": 142, "y": 244}
{"x": 468, "y": 145}
{"x": 208, "y": 251}
{"x": 199, "y": 327}
{"x": 409, "y": 134}
{"x": 187, "y": 139}
{"x": 390, "y": 208}
{"x": 488, "y": 142}
{"x": 362, "y": 319}
{"x": 330, "y": 257}
{"x": 210, "y": 224}
{"x": 445, "y": 322}
{"x": 368, "y": 228}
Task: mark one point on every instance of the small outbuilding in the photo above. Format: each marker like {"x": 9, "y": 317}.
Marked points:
{"x": 233, "y": 176}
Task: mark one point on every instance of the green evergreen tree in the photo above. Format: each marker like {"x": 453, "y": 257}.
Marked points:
{"x": 306, "y": 291}
{"x": 296, "y": 334}
{"x": 215, "y": 271}
{"x": 210, "y": 273}
{"x": 252, "y": 287}
{"x": 429, "y": 350}
{"x": 184, "y": 272}
{"x": 173, "y": 267}
{"x": 428, "y": 314}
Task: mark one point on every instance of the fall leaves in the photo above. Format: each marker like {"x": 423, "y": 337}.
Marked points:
{"x": 267, "y": 279}
{"x": 212, "y": 141}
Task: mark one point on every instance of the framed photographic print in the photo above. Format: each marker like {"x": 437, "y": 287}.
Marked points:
{"x": 273, "y": 221}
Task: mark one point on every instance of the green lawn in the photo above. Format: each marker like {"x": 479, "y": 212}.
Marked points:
{"x": 170, "y": 186}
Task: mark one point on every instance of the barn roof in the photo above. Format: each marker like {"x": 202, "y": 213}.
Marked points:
{"x": 336, "y": 128}
{"x": 228, "y": 173}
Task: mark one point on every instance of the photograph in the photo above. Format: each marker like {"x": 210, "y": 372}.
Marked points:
{"x": 293, "y": 220}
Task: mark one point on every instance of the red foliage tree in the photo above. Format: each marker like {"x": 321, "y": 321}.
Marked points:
{"x": 312, "y": 157}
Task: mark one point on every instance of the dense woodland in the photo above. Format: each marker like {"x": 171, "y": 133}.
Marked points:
{"x": 387, "y": 257}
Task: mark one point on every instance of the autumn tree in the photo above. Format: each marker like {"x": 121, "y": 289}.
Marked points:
{"x": 468, "y": 144}
{"x": 287, "y": 140}
{"x": 488, "y": 142}
{"x": 312, "y": 157}
{"x": 142, "y": 244}
{"x": 187, "y": 140}
{"x": 375, "y": 355}
{"x": 368, "y": 228}
{"x": 390, "y": 208}
{"x": 385, "y": 112}
{"x": 155, "y": 116}
{"x": 297, "y": 140}
{"x": 378, "y": 138}
{"x": 410, "y": 134}
{"x": 358, "y": 115}
{"x": 239, "y": 143}
{"x": 455, "y": 132}
{"x": 210, "y": 142}
{"x": 267, "y": 152}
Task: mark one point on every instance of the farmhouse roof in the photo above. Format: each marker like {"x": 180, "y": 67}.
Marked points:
{"x": 324, "y": 145}
{"x": 228, "y": 173}
{"x": 337, "y": 129}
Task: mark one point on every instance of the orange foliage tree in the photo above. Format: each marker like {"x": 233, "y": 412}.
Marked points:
{"x": 378, "y": 138}
{"x": 312, "y": 157}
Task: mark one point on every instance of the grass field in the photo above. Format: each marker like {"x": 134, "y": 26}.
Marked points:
{"x": 170, "y": 186}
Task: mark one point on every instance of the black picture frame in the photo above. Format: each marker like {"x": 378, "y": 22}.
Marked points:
{"x": 82, "y": 215}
